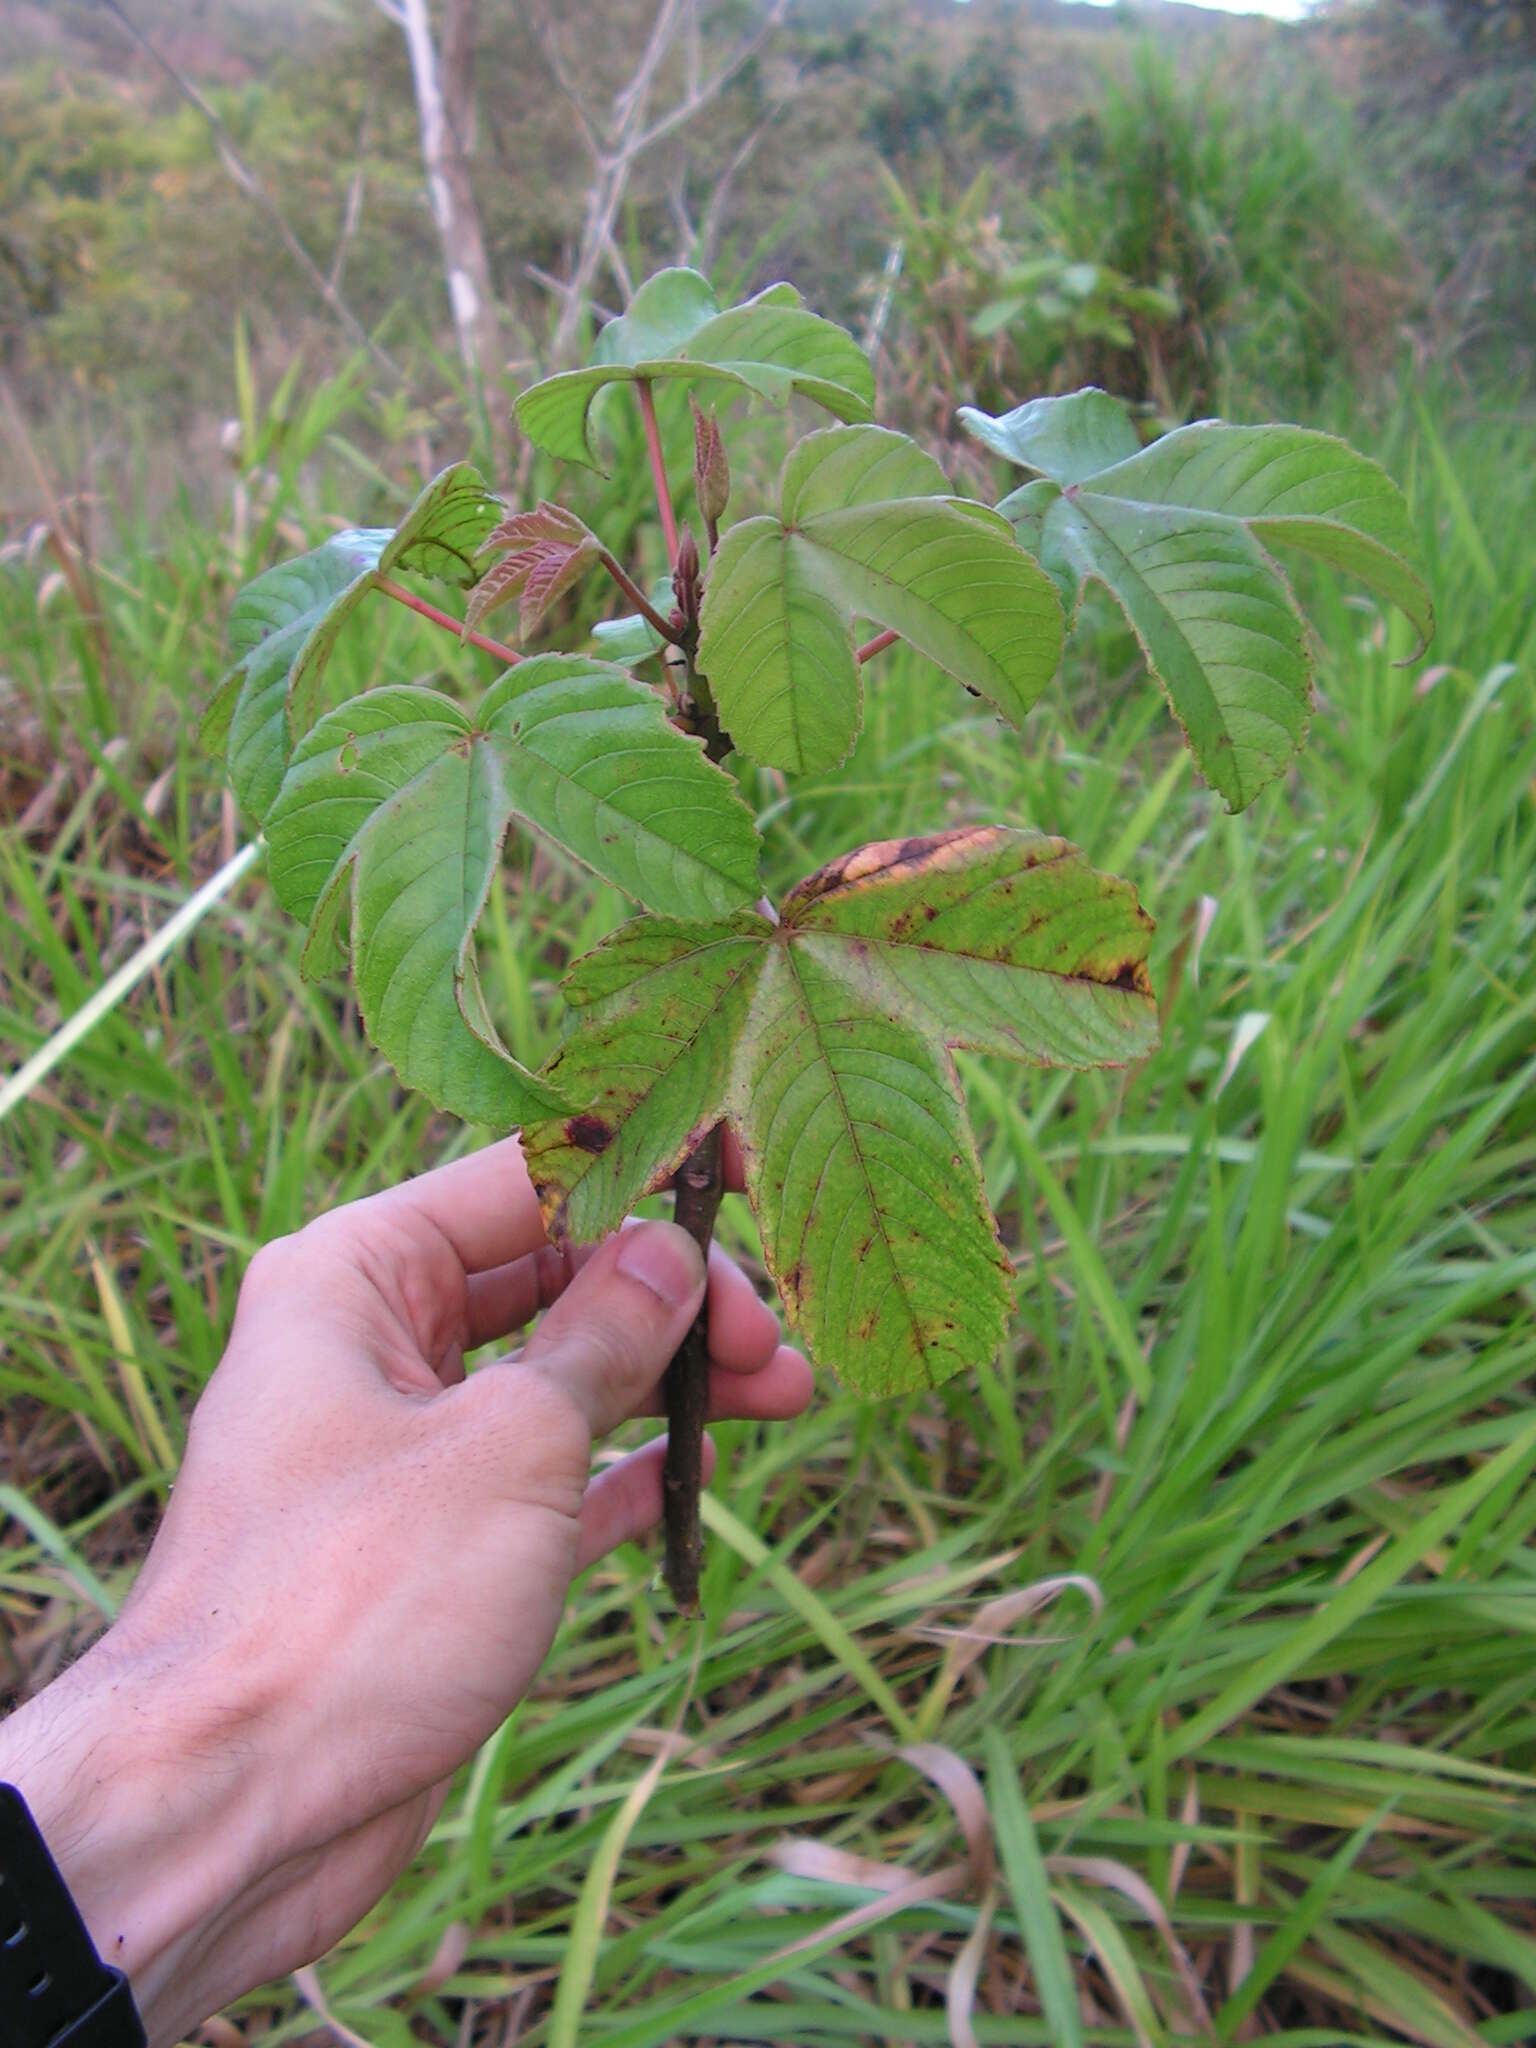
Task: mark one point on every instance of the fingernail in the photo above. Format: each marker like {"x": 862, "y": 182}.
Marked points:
{"x": 665, "y": 1259}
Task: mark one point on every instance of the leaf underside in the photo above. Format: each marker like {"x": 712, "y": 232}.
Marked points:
{"x": 866, "y": 528}
{"x": 392, "y": 818}
{"x": 674, "y": 331}
{"x": 824, "y": 1041}
{"x": 1180, "y": 534}
{"x": 284, "y": 625}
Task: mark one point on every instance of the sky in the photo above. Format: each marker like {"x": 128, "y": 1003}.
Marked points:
{"x": 1281, "y": 10}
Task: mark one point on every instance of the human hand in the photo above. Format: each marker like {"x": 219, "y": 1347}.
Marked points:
{"x": 363, "y": 1564}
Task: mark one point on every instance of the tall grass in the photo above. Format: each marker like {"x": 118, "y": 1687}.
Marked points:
{"x": 1197, "y": 244}
{"x": 1171, "y": 1676}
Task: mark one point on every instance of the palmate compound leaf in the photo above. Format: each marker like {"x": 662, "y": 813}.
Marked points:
{"x": 283, "y": 626}
{"x": 392, "y": 818}
{"x": 1179, "y": 533}
{"x": 866, "y": 528}
{"x": 674, "y": 330}
{"x": 823, "y": 1040}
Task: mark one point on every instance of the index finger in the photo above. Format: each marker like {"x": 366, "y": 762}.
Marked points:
{"x": 485, "y": 1206}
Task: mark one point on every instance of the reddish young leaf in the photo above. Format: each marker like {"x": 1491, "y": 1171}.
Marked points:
{"x": 548, "y": 550}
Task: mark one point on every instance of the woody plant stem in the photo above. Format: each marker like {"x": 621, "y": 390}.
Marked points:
{"x": 700, "y": 1181}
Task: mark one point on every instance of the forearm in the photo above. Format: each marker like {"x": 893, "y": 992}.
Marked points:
{"x": 135, "y": 1770}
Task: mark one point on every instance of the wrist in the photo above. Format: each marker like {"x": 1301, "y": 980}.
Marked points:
{"x": 135, "y": 1771}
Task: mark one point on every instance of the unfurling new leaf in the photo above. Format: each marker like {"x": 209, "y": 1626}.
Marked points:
{"x": 393, "y": 814}
{"x": 711, "y": 470}
{"x": 823, "y": 1039}
{"x": 546, "y": 551}
{"x": 1179, "y": 535}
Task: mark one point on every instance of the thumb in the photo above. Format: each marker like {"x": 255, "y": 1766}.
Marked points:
{"x": 609, "y": 1337}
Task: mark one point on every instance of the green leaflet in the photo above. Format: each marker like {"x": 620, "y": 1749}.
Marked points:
{"x": 629, "y": 640}
{"x": 1218, "y": 626}
{"x": 1179, "y": 534}
{"x": 284, "y": 625}
{"x": 866, "y": 529}
{"x": 388, "y": 816}
{"x": 633, "y": 639}
{"x": 823, "y": 1040}
{"x": 1292, "y": 488}
{"x": 1065, "y": 439}
{"x": 403, "y": 799}
{"x": 770, "y": 346}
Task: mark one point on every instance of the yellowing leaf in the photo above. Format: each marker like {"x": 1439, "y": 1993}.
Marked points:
{"x": 823, "y": 1040}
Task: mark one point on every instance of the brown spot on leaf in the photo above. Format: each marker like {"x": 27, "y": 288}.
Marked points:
{"x": 1132, "y": 975}
{"x": 889, "y": 860}
{"x": 589, "y": 1133}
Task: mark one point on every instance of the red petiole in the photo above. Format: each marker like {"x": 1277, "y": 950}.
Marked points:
{"x": 658, "y": 468}
{"x": 638, "y": 599}
{"x": 446, "y": 620}
{"x": 877, "y": 646}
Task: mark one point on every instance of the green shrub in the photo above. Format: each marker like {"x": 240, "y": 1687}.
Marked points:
{"x": 1254, "y": 221}
{"x": 1181, "y": 247}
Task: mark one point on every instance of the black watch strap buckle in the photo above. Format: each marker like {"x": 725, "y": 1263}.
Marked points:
{"x": 55, "y": 1991}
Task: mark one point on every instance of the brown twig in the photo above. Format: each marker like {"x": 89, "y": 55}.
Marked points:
{"x": 700, "y": 1185}
{"x": 616, "y": 143}
{"x": 65, "y": 539}
{"x": 254, "y": 190}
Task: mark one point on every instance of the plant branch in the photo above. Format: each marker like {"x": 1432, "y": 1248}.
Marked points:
{"x": 700, "y": 1185}
{"x": 712, "y": 87}
{"x": 658, "y": 468}
{"x": 253, "y": 188}
{"x": 447, "y": 621}
{"x": 624, "y": 137}
{"x": 878, "y": 645}
{"x": 639, "y": 600}
{"x": 450, "y": 193}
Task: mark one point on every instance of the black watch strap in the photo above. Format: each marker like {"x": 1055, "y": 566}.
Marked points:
{"x": 55, "y": 1991}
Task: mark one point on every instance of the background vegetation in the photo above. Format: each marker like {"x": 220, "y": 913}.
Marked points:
{"x": 1220, "y": 1582}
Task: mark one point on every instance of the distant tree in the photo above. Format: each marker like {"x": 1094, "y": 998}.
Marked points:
{"x": 445, "y": 104}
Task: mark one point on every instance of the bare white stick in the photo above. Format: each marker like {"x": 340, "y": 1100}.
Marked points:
{"x": 128, "y": 976}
